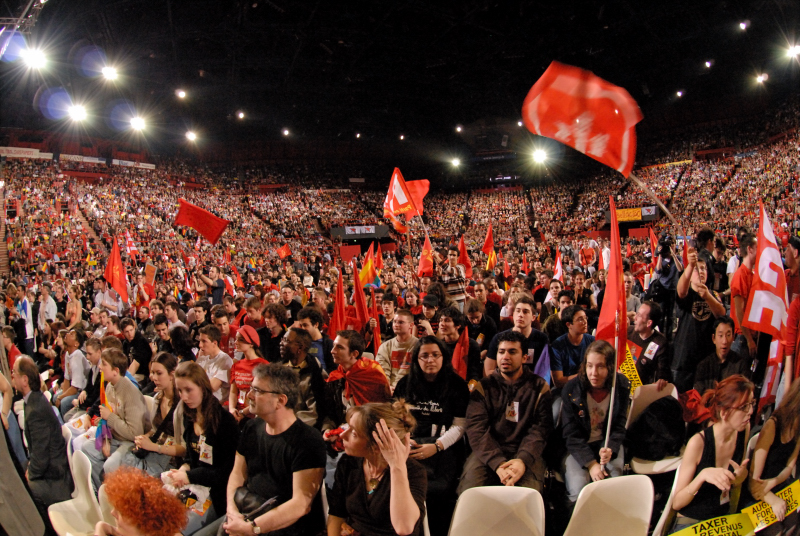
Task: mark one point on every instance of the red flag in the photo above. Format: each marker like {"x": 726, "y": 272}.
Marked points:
{"x": 115, "y": 272}
{"x": 378, "y": 257}
{"x": 239, "y": 282}
{"x": 767, "y": 307}
{"x": 201, "y": 220}
{"x": 463, "y": 257}
{"x": 404, "y": 198}
{"x": 229, "y": 286}
{"x": 397, "y": 224}
{"x": 376, "y": 331}
{"x": 558, "y": 273}
{"x": 601, "y": 265}
{"x": 585, "y": 112}
{"x": 426, "y": 259}
{"x": 185, "y": 259}
{"x": 461, "y": 354}
{"x": 284, "y": 251}
{"x": 360, "y": 300}
{"x": 685, "y": 249}
{"x": 628, "y": 250}
{"x": 525, "y": 262}
{"x": 337, "y": 319}
{"x": 614, "y": 303}
{"x": 368, "y": 272}
{"x": 488, "y": 243}
{"x": 506, "y": 270}
{"x": 653, "y": 243}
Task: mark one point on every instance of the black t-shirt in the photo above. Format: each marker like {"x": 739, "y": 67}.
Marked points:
{"x": 435, "y": 404}
{"x": 692, "y": 341}
{"x": 217, "y": 292}
{"x": 272, "y": 461}
{"x": 138, "y": 350}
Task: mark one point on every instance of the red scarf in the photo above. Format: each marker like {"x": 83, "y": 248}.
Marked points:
{"x": 364, "y": 382}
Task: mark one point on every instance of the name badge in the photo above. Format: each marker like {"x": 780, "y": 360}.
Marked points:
{"x": 512, "y": 412}
{"x": 652, "y": 348}
{"x": 206, "y": 451}
{"x": 529, "y": 357}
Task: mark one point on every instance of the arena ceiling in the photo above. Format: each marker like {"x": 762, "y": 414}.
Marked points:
{"x": 419, "y": 68}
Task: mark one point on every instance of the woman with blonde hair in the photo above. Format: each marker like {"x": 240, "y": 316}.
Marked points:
{"x": 378, "y": 489}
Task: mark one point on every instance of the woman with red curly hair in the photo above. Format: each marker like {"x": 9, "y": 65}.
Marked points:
{"x": 141, "y": 506}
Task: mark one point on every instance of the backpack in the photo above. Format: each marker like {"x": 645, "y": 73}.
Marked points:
{"x": 658, "y": 432}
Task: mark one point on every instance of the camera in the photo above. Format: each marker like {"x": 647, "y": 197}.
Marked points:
{"x": 665, "y": 244}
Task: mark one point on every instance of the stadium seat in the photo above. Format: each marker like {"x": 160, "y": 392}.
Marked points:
{"x": 619, "y": 506}
{"x": 504, "y": 510}
{"x": 668, "y": 515}
{"x": 67, "y": 435}
{"x": 105, "y": 506}
{"x": 77, "y": 516}
{"x": 150, "y": 402}
{"x": 643, "y": 397}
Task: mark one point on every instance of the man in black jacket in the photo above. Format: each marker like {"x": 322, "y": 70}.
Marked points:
{"x": 88, "y": 400}
{"x": 48, "y": 473}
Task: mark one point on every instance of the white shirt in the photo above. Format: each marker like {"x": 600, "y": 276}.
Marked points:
{"x": 218, "y": 367}
{"x": 76, "y": 369}
{"x": 733, "y": 265}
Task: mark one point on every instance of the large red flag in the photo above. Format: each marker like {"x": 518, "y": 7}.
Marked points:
{"x": 338, "y": 318}
{"x": 585, "y": 112}
{"x": 614, "y": 303}
{"x": 360, "y": 300}
{"x": 426, "y": 259}
{"x": 201, "y": 220}
{"x": 461, "y": 353}
{"x": 404, "y": 198}
{"x": 239, "y": 282}
{"x": 488, "y": 243}
{"x": 115, "y": 272}
{"x": 284, "y": 251}
{"x": 463, "y": 257}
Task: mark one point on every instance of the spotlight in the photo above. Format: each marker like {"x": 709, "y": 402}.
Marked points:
{"x": 539, "y": 156}
{"x": 762, "y": 78}
{"x": 679, "y": 93}
{"x": 358, "y": 135}
{"x": 794, "y": 51}
{"x": 402, "y": 137}
{"x": 519, "y": 123}
{"x": 709, "y": 63}
{"x": 77, "y": 112}
{"x": 240, "y": 115}
{"x": 34, "y": 58}
{"x": 456, "y": 162}
{"x": 744, "y": 25}
{"x": 110, "y": 73}
{"x": 191, "y": 136}
{"x": 285, "y": 131}
{"x": 181, "y": 94}
{"x": 458, "y": 128}
{"x": 137, "y": 123}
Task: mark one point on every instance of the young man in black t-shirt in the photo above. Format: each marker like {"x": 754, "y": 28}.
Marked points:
{"x": 278, "y": 456}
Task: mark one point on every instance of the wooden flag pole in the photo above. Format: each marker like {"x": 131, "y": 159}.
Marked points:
{"x": 613, "y": 385}
{"x": 646, "y": 189}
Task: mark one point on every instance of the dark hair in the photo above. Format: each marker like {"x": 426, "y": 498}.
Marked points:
{"x": 110, "y": 341}
{"x": 277, "y": 311}
{"x": 160, "y": 318}
{"x": 610, "y": 356}
{"x": 724, "y": 319}
{"x": 115, "y": 359}
{"x": 205, "y": 304}
{"x": 80, "y": 336}
{"x": 127, "y": 321}
{"x": 787, "y": 414}
{"x": 568, "y": 293}
{"x": 453, "y": 313}
{"x": 416, "y": 378}
{"x": 474, "y": 306}
{"x": 527, "y": 299}
{"x": 704, "y": 235}
{"x": 794, "y": 242}
{"x": 569, "y": 313}
{"x": 438, "y": 290}
{"x": 729, "y": 393}
{"x": 656, "y": 313}
{"x": 28, "y": 368}
{"x": 389, "y": 297}
{"x": 355, "y": 342}
{"x": 212, "y": 332}
{"x": 219, "y": 313}
{"x": 747, "y": 240}
{"x": 303, "y": 337}
{"x": 513, "y": 336}
{"x": 9, "y": 333}
{"x": 181, "y": 343}
{"x": 210, "y": 408}
{"x": 282, "y": 379}
{"x": 312, "y": 313}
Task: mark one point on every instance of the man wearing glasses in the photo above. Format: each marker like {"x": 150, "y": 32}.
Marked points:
{"x": 566, "y": 352}
{"x": 278, "y": 456}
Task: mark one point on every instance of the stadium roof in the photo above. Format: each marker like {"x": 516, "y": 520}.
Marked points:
{"x": 382, "y": 69}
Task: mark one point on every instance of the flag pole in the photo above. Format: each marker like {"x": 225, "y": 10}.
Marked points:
{"x": 613, "y": 385}
{"x": 646, "y": 189}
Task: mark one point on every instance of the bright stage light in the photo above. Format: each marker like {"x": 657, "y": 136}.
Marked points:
{"x": 762, "y": 78}
{"x": 77, "y": 112}
{"x": 34, "y": 58}
{"x": 285, "y": 131}
{"x": 110, "y": 73}
{"x": 708, "y": 64}
{"x": 181, "y": 94}
{"x": 240, "y": 115}
{"x": 456, "y": 162}
{"x": 744, "y": 25}
{"x": 358, "y": 135}
{"x": 402, "y": 137}
{"x": 794, "y": 51}
{"x": 539, "y": 156}
{"x": 679, "y": 93}
{"x": 458, "y": 128}
{"x": 191, "y": 136}
{"x": 519, "y": 123}
{"x": 137, "y": 123}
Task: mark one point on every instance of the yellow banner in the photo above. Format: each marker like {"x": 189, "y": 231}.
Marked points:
{"x": 732, "y": 525}
{"x": 629, "y": 214}
{"x": 761, "y": 513}
{"x": 628, "y": 368}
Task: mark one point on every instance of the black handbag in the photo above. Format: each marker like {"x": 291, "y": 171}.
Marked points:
{"x": 142, "y": 453}
{"x": 250, "y": 505}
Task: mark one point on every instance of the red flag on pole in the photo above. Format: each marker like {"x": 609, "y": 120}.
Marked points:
{"x": 376, "y": 331}
{"x": 506, "y": 270}
{"x": 653, "y": 243}
{"x": 463, "y": 257}
{"x": 284, "y": 251}
{"x": 378, "y": 257}
{"x": 403, "y": 197}
{"x": 115, "y": 272}
{"x": 360, "y": 299}
{"x": 601, "y": 264}
{"x": 488, "y": 243}
{"x": 337, "y": 319}
{"x": 239, "y": 282}
{"x": 628, "y": 250}
{"x": 461, "y": 354}
{"x": 685, "y": 249}
{"x": 525, "y": 262}
{"x": 426, "y": 259}
{"x": 558, "y": 273}
{"x": 201, "y": 220}
{"x": 368, "y": 273}
{"x": 614, "y": 303}
{"x": 585, "y": 112}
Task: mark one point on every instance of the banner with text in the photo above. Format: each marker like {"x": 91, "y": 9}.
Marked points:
{"x": 131, "y": 163}
{"x": 24, "y": 152}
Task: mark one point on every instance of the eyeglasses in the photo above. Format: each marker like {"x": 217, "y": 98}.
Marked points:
{"x": 429, "y": 357}
{"x": 581, "y": 319}
{"x": 747, "y": 406}
{"x": 256, "y": 391}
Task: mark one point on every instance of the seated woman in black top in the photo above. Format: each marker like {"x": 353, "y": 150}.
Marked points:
{"x": 378, "y": 490}
{"x": 712, "y": 463}
{"x": 776, "y": 453}
{"x": 210, "y": 435}
{"x": 439, "y": 399}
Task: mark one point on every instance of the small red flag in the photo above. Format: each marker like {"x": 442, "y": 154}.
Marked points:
{"x": 601, "y": 265}
{"x": 558, "y": 273}
{"x": 378, "y": 257}
{"x": 506, "y": 270}
{"x": 628, "y": 250}
{"x": 426, "y": 260}
{"x": 614, "y": 304}
{"x": 115, "y": 272}
{"x": 376, "y": 332}
{"x": 463, "y": 257}
{"x": 201, "y": 220}
{"x": 360, "y": 299}
{"x": 284, "y": 251}
{"x": 337, "y": 319}
{"x": 461, "y": 354}
{"x": 488, "y": 243}
{"x": 585, "y": 112}
{"x": 685, "y": 249}
{"x": 239, "y": 282}
{"x": 525, "y": 262}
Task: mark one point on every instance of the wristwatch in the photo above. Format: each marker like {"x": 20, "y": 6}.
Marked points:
{"x": 256, "y": 528}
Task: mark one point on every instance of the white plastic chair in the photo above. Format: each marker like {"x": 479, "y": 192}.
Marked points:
{"x": 668, "y": 514}
{"x": 426, "y": 530}
{"x": 150, "y": 404}
{"x": 491, "y": 510}
{"x": 66, "y": 433}
{"x": 368, "y": 355}
{"x": 105, "y": 506}
{"x": 619, "y": 506}
{"x": 643, "y": 397}
{"x": 77, "y": 516}
{"x": 324, "y": 493}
